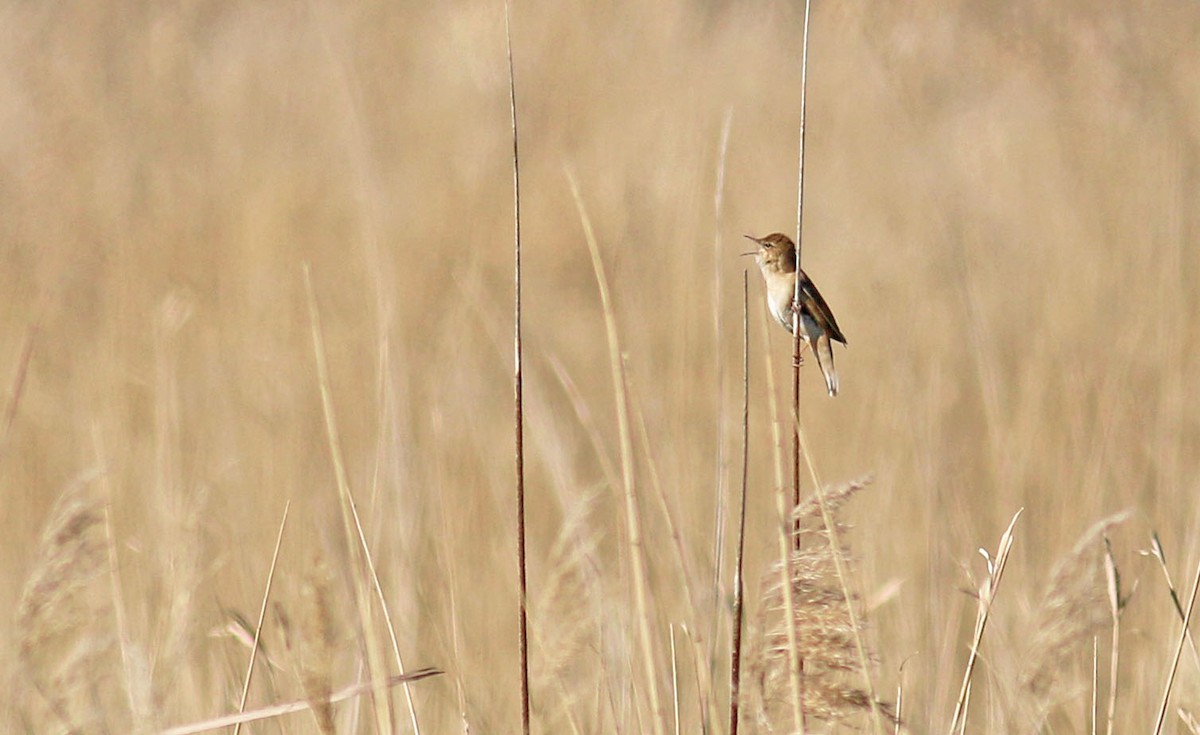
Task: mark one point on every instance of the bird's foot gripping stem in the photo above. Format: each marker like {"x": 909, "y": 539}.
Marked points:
{"x": 798, "y": 358}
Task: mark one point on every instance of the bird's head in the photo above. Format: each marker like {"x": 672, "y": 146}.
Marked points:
{"x": 776, "y": 252}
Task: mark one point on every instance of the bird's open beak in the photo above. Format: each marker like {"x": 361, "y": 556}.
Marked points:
{"x": 754, "y": 239}
{"x": 745, "y": 254}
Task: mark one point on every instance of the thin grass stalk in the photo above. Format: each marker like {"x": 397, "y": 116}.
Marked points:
{"x": 721, "y": 461}
{"x": 632, "y": 517}
{"x": 387, "y": 415}
{"x": 366, "y": 178}
{"x": 797, "y": 341}
{"x": 685, "y": 568}
{"x": 800, "y": 164}
{"x": 298, "y": 705}
{"x": 114, "y": 574}
{"x": 674, "y": 677}
{"x": 375, "y": 657}
{"x": 18, "y": 383}
{"x": 518, "y": 388}
{"x": 839, "y": 565}
{"x": 697, "y": 670}
{"x": 606, "y": 697}
{"x": 987, "y": 596}
{"x": 451, "y": 585}
{"x": 962, "y": 726}
{"x": 786, "y": 531}
{"x": 1095, "y": 716}
{"x": 387, "y": 620}
{"x": 792, "y": 530}
{"x": 1156, "y": 550}
{"x": 643, "y": 437}
{"x": 797, "y": 344}
{"x": 1187, "y": 619}
{"x": 262, "y": 615}
{"x": 735, "y": 657}
{"x": 456, "y": 632}
{"x": 797, "y": 431}
{"x": 1115, "y": 604}
{"x": 899, "y": 699}
{"x": 351, "y": 524}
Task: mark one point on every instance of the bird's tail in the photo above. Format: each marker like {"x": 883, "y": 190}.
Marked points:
{"x": 824, "y": 351}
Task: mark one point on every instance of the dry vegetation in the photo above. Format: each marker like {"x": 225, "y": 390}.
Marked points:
{"x": 1000, "y": 209}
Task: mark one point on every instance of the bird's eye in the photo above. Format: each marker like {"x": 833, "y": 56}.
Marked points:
{"x": 768, "y": 245}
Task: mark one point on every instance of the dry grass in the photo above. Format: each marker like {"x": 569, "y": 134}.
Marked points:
{"x": 64, "y": 624}
{"x": 999, "y": 206}
{"x": 1075, "y": 609}
{"x": 832, "y": 677}
{"x": 311, "y": 640}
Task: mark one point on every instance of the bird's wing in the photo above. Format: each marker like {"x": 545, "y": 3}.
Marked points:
{"x": 814, "y": 304}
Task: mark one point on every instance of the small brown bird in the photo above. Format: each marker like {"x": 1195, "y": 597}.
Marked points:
{"x": 777, "y": 261}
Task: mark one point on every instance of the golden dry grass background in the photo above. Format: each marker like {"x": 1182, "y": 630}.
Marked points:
{"x": 1000, "y": 209}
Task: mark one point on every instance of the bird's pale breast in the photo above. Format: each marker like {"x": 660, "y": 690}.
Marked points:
{"x": 779, "y": 300}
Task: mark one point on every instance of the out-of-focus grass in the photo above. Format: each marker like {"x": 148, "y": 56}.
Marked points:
{"x": 1000, "y": 210}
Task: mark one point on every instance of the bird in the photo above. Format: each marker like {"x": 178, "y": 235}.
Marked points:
{"x": 776, "y": 256}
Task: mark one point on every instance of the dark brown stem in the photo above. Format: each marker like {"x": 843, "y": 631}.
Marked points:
{"x": 796, "y": 345}
{"x": 518, "y": 409}
{"x": 735, "y": 668}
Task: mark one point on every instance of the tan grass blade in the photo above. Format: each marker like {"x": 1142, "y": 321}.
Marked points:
{"x": 1156, "y": 550}
{"x": 674, "y": 676}
{"x": 1183, "y": 634}
{"x": 686, "y": 574}
{"x": 18, "y": 384}
{"x": 962, "y": 726}
{"x": 1076, "y": 606}
{"x": 352, "y": 522}
{"x": 720, "y": 264}
{"x": 1095, "y": 711}
{"x": 359, "y": 552}
{"x": 900, "y": 698}
{"x": 299, "y": 705}
{"x": 137, "y": 688}
{"x": 632, "y": 514}
{"x": 1116, "y": 604}
{"x": 564, "y": 630}
{"x": 262, "y": 614}
{"x": 800, "y": 163}
{"x": 795, "y": 688}
{"x": 987, "y": 597}
{"x": 659, "y": 494}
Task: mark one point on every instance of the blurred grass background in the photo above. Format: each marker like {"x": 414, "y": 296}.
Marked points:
{"x": 1000, "y": 209}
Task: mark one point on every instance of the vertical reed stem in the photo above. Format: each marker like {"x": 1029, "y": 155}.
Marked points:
{"x": 735, "y": 667}
{"x": 518, "y": 389}
{"x": 797, "y": 342}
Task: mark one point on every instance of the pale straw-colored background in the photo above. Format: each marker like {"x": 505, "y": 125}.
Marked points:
{"x": 1001, "y": 210}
